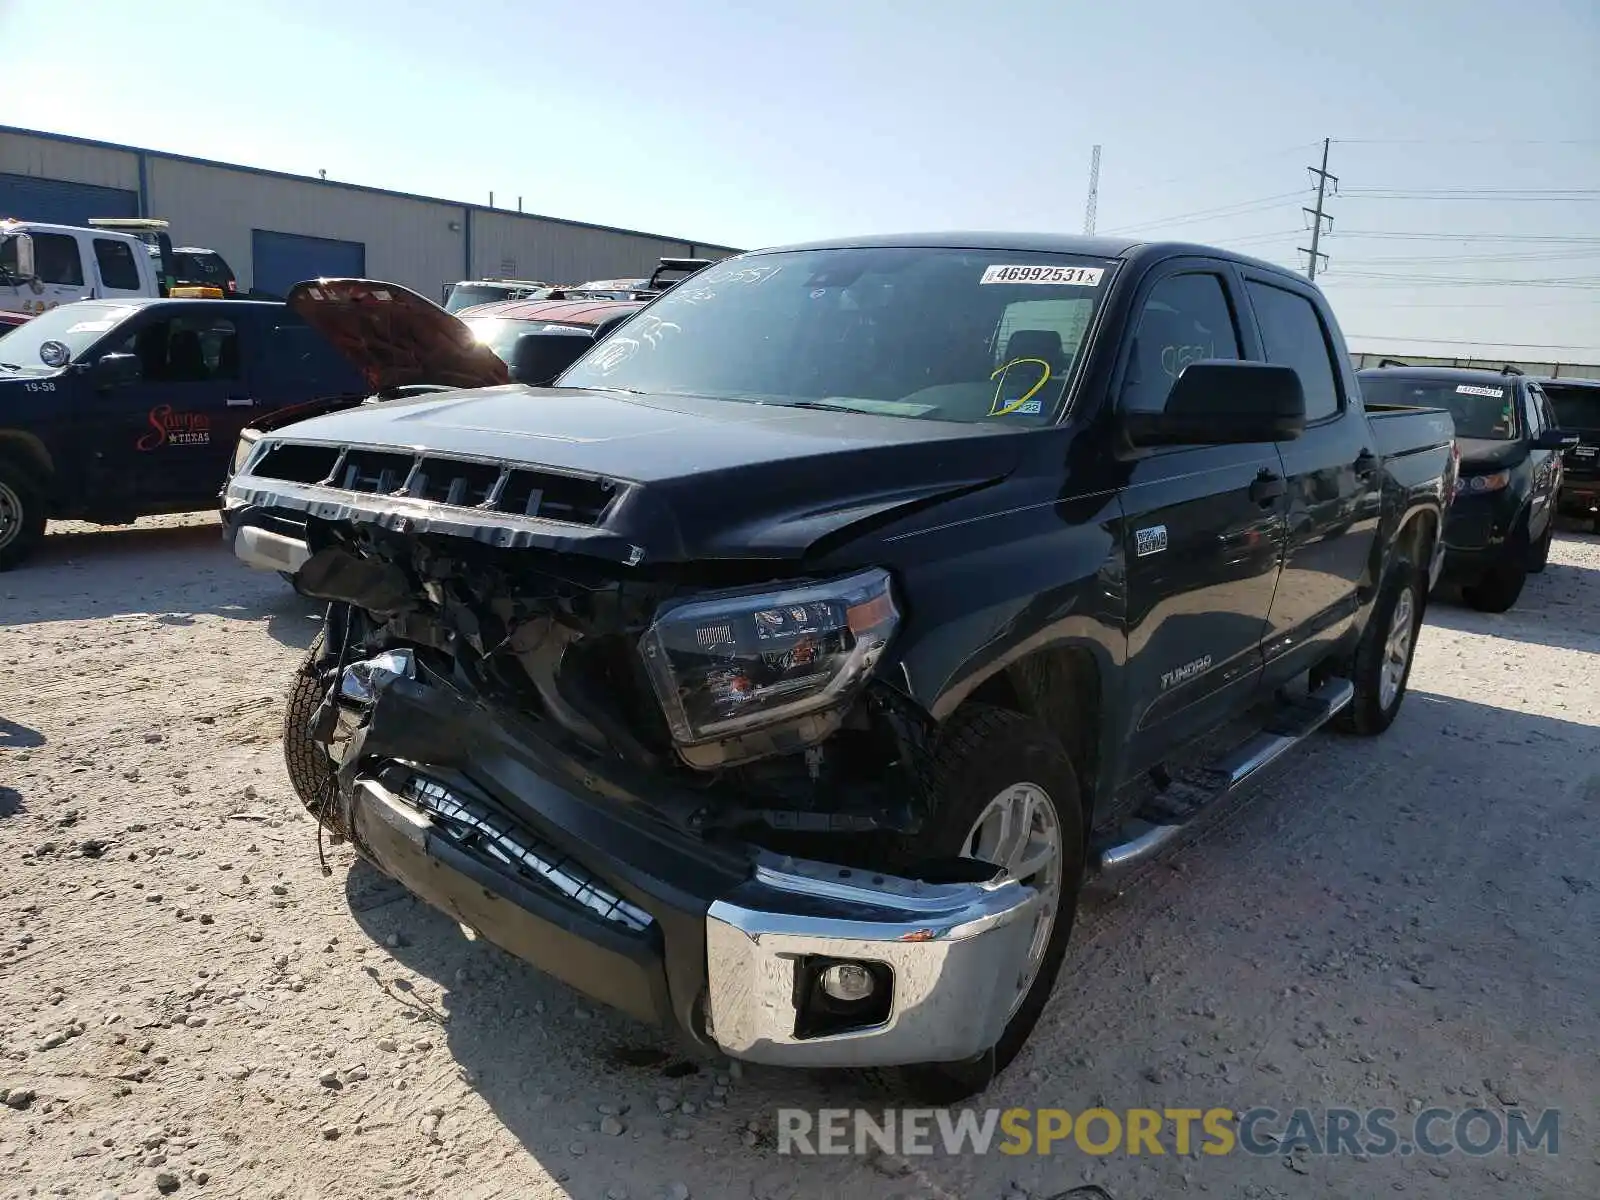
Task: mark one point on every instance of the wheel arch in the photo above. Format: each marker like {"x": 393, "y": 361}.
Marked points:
{"x": 28, "y": 451}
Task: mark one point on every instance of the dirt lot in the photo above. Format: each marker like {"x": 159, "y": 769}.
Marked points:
{"x": 188, "y": 1004}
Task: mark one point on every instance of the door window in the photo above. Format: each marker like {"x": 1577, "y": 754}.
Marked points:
{"x": 186, "y": 350}
{"x": 117, "y": 266}
{"x": 1292, "y": 335}
{"x": 1532, "y": 414}
{"x": 1186, "y": 318}
{"x": 56, "y": 259}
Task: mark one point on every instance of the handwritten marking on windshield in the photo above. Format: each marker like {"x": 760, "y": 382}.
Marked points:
{"x": 1022, "y": 404}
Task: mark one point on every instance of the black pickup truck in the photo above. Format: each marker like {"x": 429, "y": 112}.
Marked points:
{"x": 780, "y": 673}
{"x": 116, "y": 409}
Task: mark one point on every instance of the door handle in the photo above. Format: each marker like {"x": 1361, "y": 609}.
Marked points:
{"x": 1267, "y": 487}
{"x": 1366, "y": 462}
{"x": 241, "y": 402}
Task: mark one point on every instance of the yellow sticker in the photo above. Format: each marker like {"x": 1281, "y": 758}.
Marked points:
{"x": 1026, "y": 403}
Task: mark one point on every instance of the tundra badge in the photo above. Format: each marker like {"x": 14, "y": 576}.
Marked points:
{"x": 1150, "y": 541}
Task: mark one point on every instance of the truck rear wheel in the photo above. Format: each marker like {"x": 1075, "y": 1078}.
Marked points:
{"x": 1388, "y": 646}
{"x": 1005, "y": 792}
{"x": 22, "y": 514}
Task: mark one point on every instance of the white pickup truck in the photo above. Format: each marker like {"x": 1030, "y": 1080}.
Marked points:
{"x": 43, "y": 266}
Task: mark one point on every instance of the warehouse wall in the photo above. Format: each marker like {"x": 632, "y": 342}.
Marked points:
{"x": 417, "y": 241}
{"x": 505, "y": 244}
{"x": 69, "y": 161}
{"x": 407, "y": 241}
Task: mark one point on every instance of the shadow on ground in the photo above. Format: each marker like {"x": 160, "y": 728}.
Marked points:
{"x": 1552, "y": 610}
{"x": 18, "y": 737}
{"x": 1355, "y": 818}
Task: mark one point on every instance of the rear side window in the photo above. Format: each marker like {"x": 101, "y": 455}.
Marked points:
{"x": 1293, "y": 336}
{"x": 1186, "y": 318}
{"x": 1576, "y": 407}
{"x": 118, "y": 269}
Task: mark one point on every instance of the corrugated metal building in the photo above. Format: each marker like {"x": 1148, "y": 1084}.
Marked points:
{"x": 1543, "y": 369}
{"x": 276, "y": 229}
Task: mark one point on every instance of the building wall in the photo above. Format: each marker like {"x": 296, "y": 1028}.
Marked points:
{"x": 418, "y": 241}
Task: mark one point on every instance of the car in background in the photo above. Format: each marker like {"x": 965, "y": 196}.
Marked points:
{"x": 1502, "y": 516}
{"x": 199, "y": 267}
{"x": 406, "y": 346}
{"x": 1577, "y": 408}
{"x": 115, "y": 409}
{"x": 670, "y": 273}
{"x": 470, "y": 292}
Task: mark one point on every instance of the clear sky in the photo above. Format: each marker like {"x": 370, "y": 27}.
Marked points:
{"x": 754, "y": 124}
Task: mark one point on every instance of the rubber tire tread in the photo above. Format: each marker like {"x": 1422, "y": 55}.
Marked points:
{"x": 980, "y": 740}
{"x": 1365, "y": 715}
{"x": 28, "y": 490}
{"x": 311, "y": 771}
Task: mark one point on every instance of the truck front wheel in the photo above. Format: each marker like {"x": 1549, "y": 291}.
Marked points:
{"x": 21, "y": 515}
{"x": 311, "y": 770}
{"x": 1004, "y": 792}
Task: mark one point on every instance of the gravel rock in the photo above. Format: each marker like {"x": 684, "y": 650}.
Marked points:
{"x": 329, "y": 1132}
{"x": 612, "y": 1126}
{"x": 19, "y": 1097}
{"x": 330, "y": 1079}
{"x": 166, "y": 1182}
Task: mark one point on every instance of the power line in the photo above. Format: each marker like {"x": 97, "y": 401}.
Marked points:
{"x": 1469, "y": 237}
{"x": 1237, "y": 209}
{"x": 1249, "y": 160}
{"x": 1425, "y": 260}
{"x": 1467, "y": 141}
{"x": 1495, "y": 197}
{"x": 1371, "y": 337}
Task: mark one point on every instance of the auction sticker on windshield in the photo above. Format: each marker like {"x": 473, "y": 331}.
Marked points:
{"x": 1467, "y": 389}
{"x": 1026, "y": 273}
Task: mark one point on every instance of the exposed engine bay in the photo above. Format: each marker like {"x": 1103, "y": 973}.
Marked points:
{"x": 752, "y": 695}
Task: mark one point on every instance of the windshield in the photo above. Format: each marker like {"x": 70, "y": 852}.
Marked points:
{"x": 1576, "y": 407}
{"x": 500, "y": 334}
{"x": 77, "y": 326}
{"x": 943, "y": 334}
{"x": 1480, "y": 410}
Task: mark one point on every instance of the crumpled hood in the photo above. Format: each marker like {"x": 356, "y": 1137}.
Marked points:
{"x": 1479, "y": 455}
{"x": 694, "y": 477}
{"x": 394, "y": 336}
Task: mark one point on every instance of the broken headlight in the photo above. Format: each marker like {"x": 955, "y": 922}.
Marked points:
{"x": 733, "y": 663}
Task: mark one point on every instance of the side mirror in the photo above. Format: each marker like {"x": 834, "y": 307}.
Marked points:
{"x": 26, "y": 270}
{"x": 113, "y": 370}
{"x": 1555, "y": 439}
{"x": 1218, "y": 402}
{"x": 537, "y": 358}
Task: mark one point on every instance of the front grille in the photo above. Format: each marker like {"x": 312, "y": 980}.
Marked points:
{"x": 479, "y": 830}
{"x": 441, "y": 479}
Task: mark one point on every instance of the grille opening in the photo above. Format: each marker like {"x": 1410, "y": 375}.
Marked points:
{"x": 298, "y": 464}
{"x": 448, "y": 482}
{"x": 556, "y": 497}
{"x": 375, "y": 471}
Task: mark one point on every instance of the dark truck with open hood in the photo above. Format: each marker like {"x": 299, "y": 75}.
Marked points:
{"x": 780, "y": 673}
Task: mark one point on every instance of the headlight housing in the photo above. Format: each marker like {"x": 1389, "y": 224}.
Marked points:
{"x": 726, "y": 665}
{"x": 241, "y": 451}
{"x": 1477, "y": 484}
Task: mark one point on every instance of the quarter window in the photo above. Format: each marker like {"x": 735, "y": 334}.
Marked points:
{"x": 1186, "y": 318}
{"x": 1292, "y": 335}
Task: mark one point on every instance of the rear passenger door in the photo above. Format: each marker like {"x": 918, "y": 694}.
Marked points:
{"x": 1202, "y": 525}
{"x": 1333, "y": 482}
{"x": 1544, "y": 464}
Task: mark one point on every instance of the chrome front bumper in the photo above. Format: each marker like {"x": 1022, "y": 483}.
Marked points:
{"x": 954, "y": 953}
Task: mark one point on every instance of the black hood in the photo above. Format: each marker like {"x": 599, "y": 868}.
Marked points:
{"x": 684, "y": 477}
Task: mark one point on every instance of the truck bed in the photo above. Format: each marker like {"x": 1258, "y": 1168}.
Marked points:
{"x": 1400, "y": 429}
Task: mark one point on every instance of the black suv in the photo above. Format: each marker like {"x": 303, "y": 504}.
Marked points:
{"x": 1502, "y": 516}
{"x": 1577, "y": 407}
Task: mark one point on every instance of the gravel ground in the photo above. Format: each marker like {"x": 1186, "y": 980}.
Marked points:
{"x": 188, "y": 1005}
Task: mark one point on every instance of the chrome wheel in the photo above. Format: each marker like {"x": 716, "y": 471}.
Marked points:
{"x": 10, "y": 515}
{"x": 1020, "y": 831}
{"x": 1397, "y": 649}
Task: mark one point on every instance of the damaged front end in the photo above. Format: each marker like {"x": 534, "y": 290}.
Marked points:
{"x": 680, "y": 790}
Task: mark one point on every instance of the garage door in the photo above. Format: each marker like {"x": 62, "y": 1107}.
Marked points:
{"x": 281, "y": 260}
{"x": 55, "y": 201}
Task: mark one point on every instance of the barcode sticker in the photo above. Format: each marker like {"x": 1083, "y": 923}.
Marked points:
{"x": 1033, "y": 273}
{"x": 1469, "y": 389}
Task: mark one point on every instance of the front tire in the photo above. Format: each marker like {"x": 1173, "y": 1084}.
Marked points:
{"x": 1383, "y": 660}
{"x": 1004, "y": 791}
{"x": 311, "y": 770}
{"x": 22, "y": 514}
{"x": 1499, "y": 587}
{"x": 1540, "y": 556}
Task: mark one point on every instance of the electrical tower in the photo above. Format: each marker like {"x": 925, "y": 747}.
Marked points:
{"x": 1317, "y": 215}
{"x": 1094, "y": 191}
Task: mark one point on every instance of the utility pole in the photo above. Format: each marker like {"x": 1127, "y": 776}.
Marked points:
{"x": 1094, "y": 192}
{"x": 1316, "y": 214}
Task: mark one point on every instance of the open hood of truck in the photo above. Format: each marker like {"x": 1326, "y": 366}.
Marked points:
{"x": 630, "y": 477}
{"x": 394, "y": 336}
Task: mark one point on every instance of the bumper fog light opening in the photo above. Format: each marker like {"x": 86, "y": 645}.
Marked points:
{"x": 848, "y": 982}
